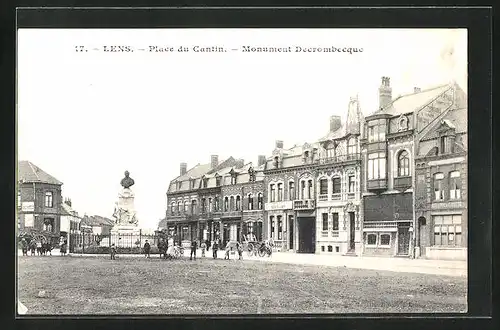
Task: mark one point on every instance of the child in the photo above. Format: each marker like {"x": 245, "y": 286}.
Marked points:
{"x": 203, "y": 247}
{"x": 226, "y": 255}
{"x": 215, "y": 247}
{"x": 240, "y": 251}
{"x": 147, "y": 249}
{"x": 113, "y": 251}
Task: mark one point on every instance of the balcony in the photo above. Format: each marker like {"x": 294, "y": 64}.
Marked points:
{"x": 284, "y": 205}
{"x": 336, "y": 197}
{"x": 306, "y": 204}
{"x": 323, "y": 197}
{"x": 339, "y": 159}
{"x": 403, "y": 182}
{"x": 376, "y": 146}
{"x": 379, "y": 184}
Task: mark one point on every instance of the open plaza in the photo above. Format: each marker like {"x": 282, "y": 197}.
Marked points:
{"x": 133, "y": 284}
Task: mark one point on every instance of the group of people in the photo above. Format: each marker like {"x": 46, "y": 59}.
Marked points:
{"x": 36, "y": 248}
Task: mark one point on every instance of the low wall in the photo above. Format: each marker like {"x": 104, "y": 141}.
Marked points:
{"x": 445, "y": 253}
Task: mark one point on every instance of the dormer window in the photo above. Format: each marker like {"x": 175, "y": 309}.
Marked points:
{"x": 352, "y": 147}
{"x": 276, "y": 162}
{"x": 193, "y": 183}
{"x": 217, "y": 180}
{"x": 251, "y": 174}
{"x": 205, "y": 182}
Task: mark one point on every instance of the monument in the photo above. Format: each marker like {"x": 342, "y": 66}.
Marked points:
{"x": 126, "y": 222}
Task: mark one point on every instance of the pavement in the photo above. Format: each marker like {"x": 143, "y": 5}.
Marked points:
{"x": 406, "y": 265}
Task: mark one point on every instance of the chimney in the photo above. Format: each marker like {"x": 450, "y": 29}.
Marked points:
{"x": 385, "y": 92}
{"x": 261, "y": 160}
{"x": 279, "y": 144}
{"x": 416, "y": 90}
{"x": 183, "y": 168}
{"x": 214, "y": 161}
{"x": 68, "y": 201}
{"x": 335, "y": 123}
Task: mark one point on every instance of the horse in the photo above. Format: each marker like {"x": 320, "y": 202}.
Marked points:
{"x": 33, "y": 248}
{"x": 24, "y": 248}
{"x": 46, "y": 247}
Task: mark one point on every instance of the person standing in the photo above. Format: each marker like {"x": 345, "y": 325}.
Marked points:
{"x": 194, "y": 246}
{"x": 215, "y": 247}
{"x": 203, "y": 247}
{"x": 147, "y": 249}
{"x": 113, "y": 251}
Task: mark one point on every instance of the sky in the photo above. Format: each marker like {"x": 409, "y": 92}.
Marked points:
{"x": 86, "y": 117}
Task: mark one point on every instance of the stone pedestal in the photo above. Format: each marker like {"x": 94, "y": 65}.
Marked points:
{"x": 126, "y": 228}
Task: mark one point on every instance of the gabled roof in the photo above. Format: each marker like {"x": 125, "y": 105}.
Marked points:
{"x": 68, "y": 210}
{"x": 455, "y": 119}
{"x": 29, "y": 172}
{"x": 337, "y": 134}
{"x": 412, "y": 102}
{"x": 96, "y": 221}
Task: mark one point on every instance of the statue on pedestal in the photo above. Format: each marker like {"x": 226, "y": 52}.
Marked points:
{"x": 124, "y": 209}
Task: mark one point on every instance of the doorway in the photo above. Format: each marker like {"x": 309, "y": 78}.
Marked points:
{"x": 290, "y": 230}
{"x": 307, "y": 234}
{"x": 403, "y": 239}
{"x": 352, "y": 231}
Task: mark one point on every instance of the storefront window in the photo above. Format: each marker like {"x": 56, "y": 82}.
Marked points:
{"x": 371, "y": 239}
{"x": 447, "y": 230}
{"x": 385, "y": 239}
{"x": 280, "y": 228}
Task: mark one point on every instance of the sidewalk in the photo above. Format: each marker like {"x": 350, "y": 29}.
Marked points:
{"x": 405, "y": 265}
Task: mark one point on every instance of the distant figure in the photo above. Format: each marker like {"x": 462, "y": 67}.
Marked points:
{"x": 39, "y": 248}
{"x": 33, "y": 248}
{"x": 215, "y": 247}
{"x": 207, "y": 242}
{"x": 203, "y": 247}
{"x": 113, "y": 251}
{"x": 228, "y": 248}
{"x": 63, "y": 249}
{"x": 240, "y": 250}
{"x": 194, "y": 246}
{"x": 24, "y": 246}
{"x": 127, "y": 181}
{"x": 147, "y": 249}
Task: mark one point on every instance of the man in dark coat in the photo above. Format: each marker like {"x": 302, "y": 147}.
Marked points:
{"x": 215, "y": 247}
{"x": 147, "y": 249}
{"x": 194, "y": 246}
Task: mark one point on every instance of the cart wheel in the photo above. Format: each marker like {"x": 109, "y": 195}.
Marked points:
{"x": 262, "y": 252}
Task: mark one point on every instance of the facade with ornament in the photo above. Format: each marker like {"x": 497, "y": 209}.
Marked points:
{"x": 313, "y": 191}
{"x": 391, "y": 141}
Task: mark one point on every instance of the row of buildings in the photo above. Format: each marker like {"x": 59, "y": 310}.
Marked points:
{"x": 43, "y": 214}
{"x": 393, "y": 183}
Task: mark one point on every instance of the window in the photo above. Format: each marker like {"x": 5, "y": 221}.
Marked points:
{"x": 322, "y": 248}
{"x": 302, "y": 189}
{"x": 250, "y": 226}
{"x": 351, "y": 149}
{"x": 48, "y": 199}
{"x": 325, "y": 222}
{"x": 447, "y": 230}
{"x": 376, "y": 130}
{"x": 336, "y": 185}
{"x": 272, "y": 193}
{"x": 217, "y": 203}
{"x": 335, "y": 221}
{"x": 323, "y": 186}
{"x": 250, "y": 202}
{"x": 234, "y": 177}
{"x": 385, "y": 239}
{"x": 271, "y": 220}
{"x": 309, "y": 189}
{"x": 403, "y": 164}
{"x": 193, "y": 184}
{"x": 193, "y": 207}
{"x": 455, "y": 185}
{"x": 371, "y": 239}
{"x": 438, "y": 186}
{"x": 280, "y": 192}
{"x": 226, "y": 204}
{"x": 217, "y": 181}
{"x": 376, "y": 166}
{"x": 444, "y": 144}
{"x": 330, "y": 248}
{"x": 172, "y": 208}
{"x": 48, "y": 224}
{"x": 291, "y": 190}
{"x": 280, "y": 227}
{"x": 259, "y": 201}
{"x": 306, "y": 155}
{"x": 238, "y": 203}
{"x": 205, "y": 183}
{"x": 231, "y": 203}
{"x": 210, "y": 205}
{"x": 179, "y": 208}
{"x": 352, "y": 183}
{"x": 276, "y": 162}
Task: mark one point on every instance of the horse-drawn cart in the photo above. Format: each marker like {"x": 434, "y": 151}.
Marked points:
{"x": 255, "y": 248}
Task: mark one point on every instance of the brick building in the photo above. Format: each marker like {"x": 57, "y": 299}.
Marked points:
{"x": 210, "y": 201}
{"x": 441, "y": 188}
{"x": 39, "y": 203}
{"x": 391, "y": 138}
